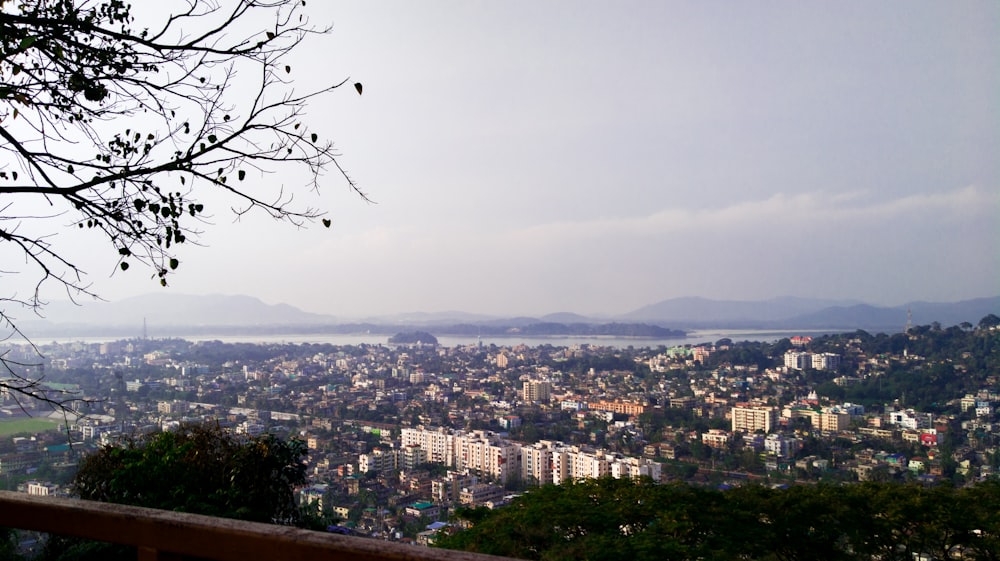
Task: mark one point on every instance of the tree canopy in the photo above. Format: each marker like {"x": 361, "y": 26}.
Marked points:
{"x": 622, "y": 519}
{"x": 125, "y": 129}
{"x": 196, "y": 468}
{"x": 202, "y": 469}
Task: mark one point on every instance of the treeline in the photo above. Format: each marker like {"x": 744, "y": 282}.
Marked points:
{"x": 613, "y": 519}
{"x": 952, "y": 362}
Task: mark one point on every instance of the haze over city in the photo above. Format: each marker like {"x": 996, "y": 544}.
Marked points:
{"x": 590, "y": 157}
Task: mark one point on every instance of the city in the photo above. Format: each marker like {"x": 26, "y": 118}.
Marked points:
{"x": 402, "y": 436}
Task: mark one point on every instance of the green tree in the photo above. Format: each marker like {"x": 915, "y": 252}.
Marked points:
{"x": 989, "y": 321}
{"x": 202, "y": 469}
{"x": 121, "y": 127}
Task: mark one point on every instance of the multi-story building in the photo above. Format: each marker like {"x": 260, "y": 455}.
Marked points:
{"x": 622, "y": 407}
{"x": 536, "y": 391}
{"x": 749, "y": 418}
{"x": 797, "y": 360}
{"x": 782, "y": 446}
{"x": 439, "y": 444}
{"x": 536, "y": 462}
{"x": 826, "y": 361}
{"x": 832, "y": 420}
{"x": 480, "y": 494}
{"x": 378, "y": 461}
{"x": 715, "y": 438}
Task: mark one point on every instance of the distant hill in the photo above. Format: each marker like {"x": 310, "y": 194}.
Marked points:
{"x": 806, "y": 313}
{"x": 170, "y": 310}
{"x": 863, "y": 316}
{"x": 567, "y": 317}
{"x": 166, "y": 314}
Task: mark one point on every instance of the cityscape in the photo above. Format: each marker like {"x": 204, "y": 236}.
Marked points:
{"x": 403, "y": 435}
{"x": 599, "y": 281}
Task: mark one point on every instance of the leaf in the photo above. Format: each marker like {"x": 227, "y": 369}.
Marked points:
{"x": 314, "y": 137}
{"x": 124, "y": 251}
{"x": 69, "y": 168}
{"x": 357, "y": 86}
{"x": 212, "y": 138}
{"x": 27, "y": 42}
{"x": 270, "y": 35}
{"x": 288, "y": 69}
{"x": 241, "y": 174}
{"x": 124, "y": 266}
{"x": 174, "y": 263}
{"x": 326, "y": 222}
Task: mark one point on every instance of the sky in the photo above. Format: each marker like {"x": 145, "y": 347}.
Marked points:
{"x": 527, "y": 157}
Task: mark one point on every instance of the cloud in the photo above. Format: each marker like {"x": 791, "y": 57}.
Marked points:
{"x": 777, "y": 213}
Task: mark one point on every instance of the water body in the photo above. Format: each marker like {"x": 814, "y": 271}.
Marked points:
{"x": 693, "y": 338}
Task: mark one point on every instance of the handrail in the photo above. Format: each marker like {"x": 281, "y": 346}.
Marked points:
{"x": 160, "y": 535}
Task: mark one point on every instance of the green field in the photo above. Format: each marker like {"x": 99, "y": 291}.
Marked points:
{"x": 15, "y": 426}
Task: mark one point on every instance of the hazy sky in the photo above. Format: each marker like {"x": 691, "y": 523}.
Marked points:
{"x": 533, "y": 157}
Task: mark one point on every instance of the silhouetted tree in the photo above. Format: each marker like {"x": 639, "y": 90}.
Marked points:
{"x": 123, "y": 128}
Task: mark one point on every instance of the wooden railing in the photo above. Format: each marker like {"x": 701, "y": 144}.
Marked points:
{"x": 161, "y": 535}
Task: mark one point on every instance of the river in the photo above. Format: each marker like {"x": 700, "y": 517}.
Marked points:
{"x": 693, "y": 338}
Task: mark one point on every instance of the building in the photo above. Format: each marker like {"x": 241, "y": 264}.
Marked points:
{"x": 825, "y": 361}
{"x": 797, "y": 360}
{"x": 427, "y": 510}
{"x": 715, "y": 438}
{"x": 480, "y": 494}
{"x": 782, "y": 446}
{"x": 378, "y": 461}
{"x": 536, "y": 391}
{"x": 746, "y": 418}
{"x": 439, "y": 444}
{"x": 536, "y": 462}
{"x": 621, "y": 407}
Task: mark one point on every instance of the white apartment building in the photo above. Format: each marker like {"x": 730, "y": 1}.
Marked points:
{"x": 439, "y": 444}
{"x": 748, "y": 419}
{"x": 826, "y": 361}
{"x": 379, "y": 461}
{"x": 782, "y": 446}
{"x": 536, "y": 462}
{"x": 797, "y": 360}
{"x": 910, "y": 419}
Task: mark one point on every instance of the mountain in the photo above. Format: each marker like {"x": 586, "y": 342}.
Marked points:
{"x": 804, "y": 313}
{"x": 567, "y": 317}
{"x": 165, "y": 314}
{"x": 895, "y": 318}
{"x": 171, "y": 310}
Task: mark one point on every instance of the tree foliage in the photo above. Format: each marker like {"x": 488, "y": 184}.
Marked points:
{"x": 128, "y": 129}
{"x": 622, "y": 519}
{"x": 202, "y": 469}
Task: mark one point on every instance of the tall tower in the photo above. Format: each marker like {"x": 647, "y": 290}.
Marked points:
{"x": 909, "y": 320}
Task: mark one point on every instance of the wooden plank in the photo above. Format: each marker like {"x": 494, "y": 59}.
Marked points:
{"x": 165, "y": 535}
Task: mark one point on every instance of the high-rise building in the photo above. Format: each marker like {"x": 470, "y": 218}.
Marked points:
{"x": 747, "y": 418}
{"x": 537, "y": 391}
